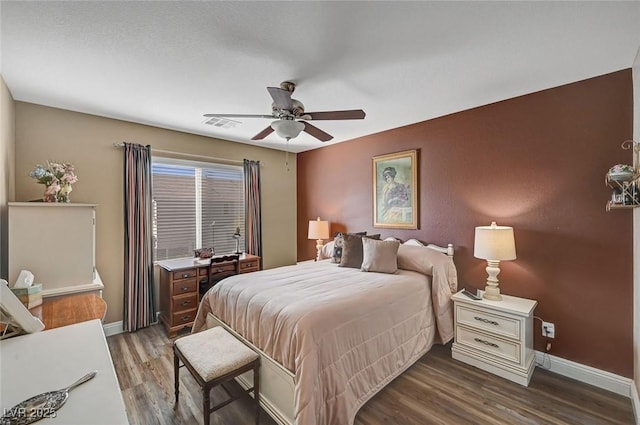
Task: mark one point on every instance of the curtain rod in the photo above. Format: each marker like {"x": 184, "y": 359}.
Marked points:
{"x": 210, "y": 158}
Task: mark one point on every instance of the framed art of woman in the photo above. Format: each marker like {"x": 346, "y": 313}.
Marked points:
{"x": 395, "y": 183}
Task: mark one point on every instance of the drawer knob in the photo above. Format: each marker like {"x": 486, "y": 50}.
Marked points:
{"x": 185, "y": 318}
{"x": 185, "y": 275}
{"x": 482, "y": 319}
{"x": 249, "y": 264}
{"x": 482, "y": 341}
{"x": 220, "y": 270}
{"x": 185, "y": 288}
{"x": 185, "y": 303}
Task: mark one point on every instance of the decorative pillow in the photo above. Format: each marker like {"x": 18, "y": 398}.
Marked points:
{"x": 352, "y": 250}
{"x": 337, "y": 247}
{"x": 379, "y": 256}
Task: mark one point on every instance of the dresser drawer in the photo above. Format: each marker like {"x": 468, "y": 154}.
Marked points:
{"x": 489, "y": 322}
{"x": 185, "y": 274}
{"x": 184, "y": 302}
{"x": 223, "y": 268}
{"x": 183, "y": 317}
{"x": 499, "y": 347}
{"x": 249, "y": 266}
{"x": 184, "y": 287}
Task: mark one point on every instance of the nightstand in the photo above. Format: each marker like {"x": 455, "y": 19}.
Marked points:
{"x": 496, "y": 336}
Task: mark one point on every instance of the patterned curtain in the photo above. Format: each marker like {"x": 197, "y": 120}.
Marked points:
{"x": 139, "y": 306}
{"x": 253, "y": 215}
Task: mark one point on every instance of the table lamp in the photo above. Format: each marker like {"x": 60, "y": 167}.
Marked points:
{"x": 318, "y": 230}
{"x": 494, "y": 243}
{"x": 237, "y": 236}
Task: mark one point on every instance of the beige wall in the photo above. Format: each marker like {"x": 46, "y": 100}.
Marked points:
{"x": 7, "y": 172}
{"x": 44, "y": 133}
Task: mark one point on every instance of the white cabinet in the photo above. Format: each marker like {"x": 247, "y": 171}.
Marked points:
{"x": 496, "y": 336}
{"x": 55, "y": 242}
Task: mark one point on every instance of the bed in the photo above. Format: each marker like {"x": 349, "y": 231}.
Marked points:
{"x": 331, "y": 337}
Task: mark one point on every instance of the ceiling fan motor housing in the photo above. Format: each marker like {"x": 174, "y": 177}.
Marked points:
{"x": 296, "y": 111}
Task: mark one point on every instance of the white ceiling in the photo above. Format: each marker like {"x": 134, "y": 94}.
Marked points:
{"x": 167, "y": 63}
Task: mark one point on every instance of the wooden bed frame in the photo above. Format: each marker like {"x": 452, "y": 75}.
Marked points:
{"x": 277, "y": 382}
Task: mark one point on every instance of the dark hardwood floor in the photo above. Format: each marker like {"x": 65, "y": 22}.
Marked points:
{"x": 435, "y": 390}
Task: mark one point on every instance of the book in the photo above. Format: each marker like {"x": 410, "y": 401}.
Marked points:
{"x": 35, "y": 288}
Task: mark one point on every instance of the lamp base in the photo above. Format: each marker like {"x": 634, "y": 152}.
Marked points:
{"x": 492, "y": 291}
{"x": 318, "y": 248}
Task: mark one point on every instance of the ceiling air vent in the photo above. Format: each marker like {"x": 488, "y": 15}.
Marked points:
{"x": 222, "y": 122}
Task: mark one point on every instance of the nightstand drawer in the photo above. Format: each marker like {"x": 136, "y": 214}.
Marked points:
{"x": 185, "y": 302}
{"x": 184, "y": 286}
{"x": 507, "y": 350}
{"x": 488, "y": 322}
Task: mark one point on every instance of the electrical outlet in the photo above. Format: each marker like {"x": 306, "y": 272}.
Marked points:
{"x": 548, "y": 329}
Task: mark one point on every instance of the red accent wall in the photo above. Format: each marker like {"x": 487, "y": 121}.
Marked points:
{"x": 535, "y": 162}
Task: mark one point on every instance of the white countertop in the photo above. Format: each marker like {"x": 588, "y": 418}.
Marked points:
{"x": 54, "y": 359}
{"x": 185, "y": 263}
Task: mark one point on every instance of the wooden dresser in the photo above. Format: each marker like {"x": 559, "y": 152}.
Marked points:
{"x": 184, "y": 281}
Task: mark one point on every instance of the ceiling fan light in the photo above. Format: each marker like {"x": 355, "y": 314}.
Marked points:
{"x": 287, "y": 129}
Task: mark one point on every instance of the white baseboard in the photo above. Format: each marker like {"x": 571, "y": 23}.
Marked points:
{"x": 113, "y": 328}
{"x": 587, "y": 374}
{"x": 635, "y": 402}
{"x": 116, "y": 328}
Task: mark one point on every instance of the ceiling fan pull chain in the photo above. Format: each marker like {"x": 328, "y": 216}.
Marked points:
{"x": 286, "y": 156}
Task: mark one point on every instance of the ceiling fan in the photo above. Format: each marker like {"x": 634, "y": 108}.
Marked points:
{"x": 291, "y": 117}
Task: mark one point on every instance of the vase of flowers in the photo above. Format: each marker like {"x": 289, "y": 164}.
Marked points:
{"x": 57, "y": 178}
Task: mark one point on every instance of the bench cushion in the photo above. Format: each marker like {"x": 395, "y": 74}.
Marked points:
{"x": 214, "y": 352}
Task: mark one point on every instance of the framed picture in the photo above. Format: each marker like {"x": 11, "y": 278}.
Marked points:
{"x": 395, "y": 190}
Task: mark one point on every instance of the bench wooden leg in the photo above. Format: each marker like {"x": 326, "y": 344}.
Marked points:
{"x": 176, "y": 373}
{"x": 206, "y": 405}
{"x": 256, "y": 389}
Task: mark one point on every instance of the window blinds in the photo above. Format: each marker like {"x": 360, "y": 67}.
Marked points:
{"x": 196, "y": 205}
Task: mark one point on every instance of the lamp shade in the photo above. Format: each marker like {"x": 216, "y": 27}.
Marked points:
{"x": 287, "y": 129}
{"x": 318, "y": 229}
{"x": 494, "y": 243}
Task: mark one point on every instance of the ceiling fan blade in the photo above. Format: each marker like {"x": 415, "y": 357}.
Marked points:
{"x": 352, "y": 114}
{"x": 282, "y": 98}
{"x": 237, "y": 116}
{"x": 317, "y": 133}
{"x": 264, "y": 133}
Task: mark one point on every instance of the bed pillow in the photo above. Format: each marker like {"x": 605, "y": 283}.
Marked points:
{"x": 379, "y": 256}
{"x": 327, "y": 250}
{"x": 352, "y": 250}
{"x": 428, "y": 261}
{"x": 418, "y": 258}
{"x": 392, "y": 238}
{"x": 338, "y": 243}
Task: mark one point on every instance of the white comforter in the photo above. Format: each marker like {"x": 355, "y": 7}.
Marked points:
{"x": 343, "y": 333}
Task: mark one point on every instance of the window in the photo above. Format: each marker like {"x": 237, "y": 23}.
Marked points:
{"x": 196, "y": 205}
